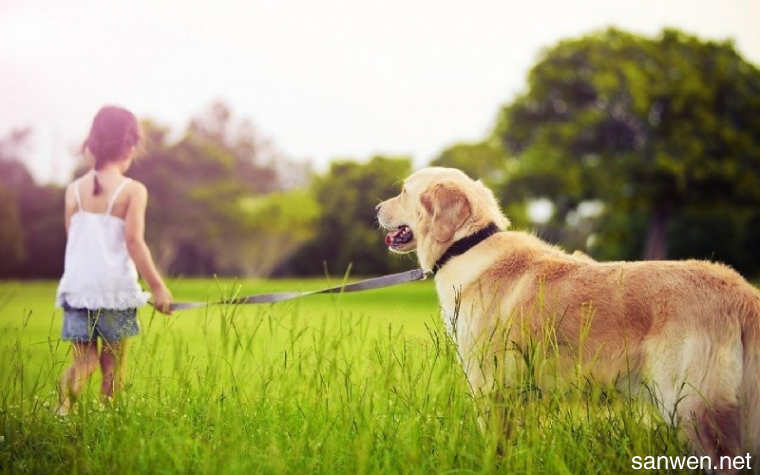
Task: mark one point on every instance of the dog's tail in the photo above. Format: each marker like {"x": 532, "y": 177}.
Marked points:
{"x": 751, "y": 379}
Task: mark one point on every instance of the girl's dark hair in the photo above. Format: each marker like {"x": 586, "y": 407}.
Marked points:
{"x": 114, "y": 131}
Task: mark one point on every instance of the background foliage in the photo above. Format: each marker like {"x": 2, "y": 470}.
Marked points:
{"x": 347, "y": 231}
{"x": 663, "y": 131}
{"x": 637, "y": 146}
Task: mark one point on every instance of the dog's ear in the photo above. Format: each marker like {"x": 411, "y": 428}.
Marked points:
{"x": 448, "y": 206}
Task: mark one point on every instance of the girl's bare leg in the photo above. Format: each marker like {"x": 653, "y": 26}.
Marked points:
{"x": 112, "y": 365}
{"x": 74, "y": 378}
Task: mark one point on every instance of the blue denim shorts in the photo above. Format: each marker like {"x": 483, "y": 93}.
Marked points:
{"x": 81, "y": 325}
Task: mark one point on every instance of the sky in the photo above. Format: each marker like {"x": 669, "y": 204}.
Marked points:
{"x": 321, "y": 79}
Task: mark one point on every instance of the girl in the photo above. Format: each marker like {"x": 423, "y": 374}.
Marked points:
{"x": 99, "y": 292}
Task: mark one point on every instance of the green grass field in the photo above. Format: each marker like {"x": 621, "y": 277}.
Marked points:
{"x": 352, "y": 383}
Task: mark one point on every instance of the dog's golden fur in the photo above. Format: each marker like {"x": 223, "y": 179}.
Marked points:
{"x": 689, "y": 329}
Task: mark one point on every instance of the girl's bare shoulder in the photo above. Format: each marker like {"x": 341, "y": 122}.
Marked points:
{"x": 136, "y": 190}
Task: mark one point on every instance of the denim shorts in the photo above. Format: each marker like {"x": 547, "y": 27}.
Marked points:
{"x": 81, "y": 325}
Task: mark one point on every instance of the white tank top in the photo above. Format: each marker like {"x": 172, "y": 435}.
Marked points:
{"x": 98, "y": 271}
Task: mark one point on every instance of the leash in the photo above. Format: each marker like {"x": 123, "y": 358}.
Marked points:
{"x": 459, "y": 247}
{"x": 367, "y": 284}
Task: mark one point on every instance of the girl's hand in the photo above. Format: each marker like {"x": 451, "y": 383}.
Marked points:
{"x": 162, "y": 300}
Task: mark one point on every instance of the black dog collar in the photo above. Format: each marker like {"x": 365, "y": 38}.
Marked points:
{"x": 465, "y": 244}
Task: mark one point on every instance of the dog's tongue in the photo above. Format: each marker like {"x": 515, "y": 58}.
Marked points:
{"x": 401, "y": 235}
{"x": 391, "y": 236}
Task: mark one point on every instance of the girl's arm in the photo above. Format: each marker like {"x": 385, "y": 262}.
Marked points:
{"x": 138, "y": 250}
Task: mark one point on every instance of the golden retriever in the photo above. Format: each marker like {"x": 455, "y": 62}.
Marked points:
{"x": 688, "y": 329}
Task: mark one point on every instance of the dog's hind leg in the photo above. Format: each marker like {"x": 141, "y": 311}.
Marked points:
{"x": 698, "y": 389}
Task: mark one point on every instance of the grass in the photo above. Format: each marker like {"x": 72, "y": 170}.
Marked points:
{"x": 355, "y": 383}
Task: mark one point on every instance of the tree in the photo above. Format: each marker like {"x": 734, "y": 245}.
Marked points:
{"x": 207, "y": 212}
{"x": 41, "y": 214}
{"x": 32, "y": 238}
{"x": 652, "y": 127}
{"x": 347, "y": 233}
{"x": 14, "y": 178}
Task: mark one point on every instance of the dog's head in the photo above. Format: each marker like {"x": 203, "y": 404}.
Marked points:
{"x": 436, "y": 207}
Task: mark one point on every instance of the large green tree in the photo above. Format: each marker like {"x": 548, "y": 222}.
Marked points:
{"x": 656, "y": 128}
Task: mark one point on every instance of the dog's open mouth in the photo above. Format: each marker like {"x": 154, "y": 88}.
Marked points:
{"x": 399, "y": 237}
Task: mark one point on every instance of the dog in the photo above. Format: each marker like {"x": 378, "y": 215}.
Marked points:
{"x": 689, "y": 330}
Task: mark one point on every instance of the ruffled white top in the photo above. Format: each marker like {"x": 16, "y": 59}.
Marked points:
{"x": 98, "y": 271}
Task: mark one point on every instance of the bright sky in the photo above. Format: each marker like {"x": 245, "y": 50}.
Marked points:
{"x": 322, "y": 79}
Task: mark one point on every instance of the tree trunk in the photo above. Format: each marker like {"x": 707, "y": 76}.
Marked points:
{"x": 657, "y": 240}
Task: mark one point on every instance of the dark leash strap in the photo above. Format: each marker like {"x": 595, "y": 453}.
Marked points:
{"x": 367, "y": 284}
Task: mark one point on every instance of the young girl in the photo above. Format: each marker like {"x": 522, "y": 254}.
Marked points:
{"x": 99, "y": 291}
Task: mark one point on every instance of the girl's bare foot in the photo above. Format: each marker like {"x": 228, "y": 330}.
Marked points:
{"x": 64, "y": 408}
